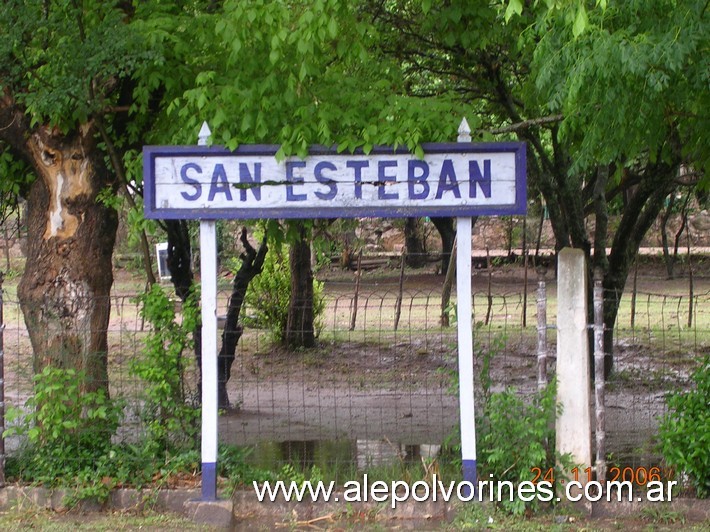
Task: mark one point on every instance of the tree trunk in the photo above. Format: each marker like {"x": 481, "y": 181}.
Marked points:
{"x": 252, "y": 264}
{"x": 65, "y": 289}
{"x": 180, "y": 266}
{"x": 667, "y": 258}
{"x": 643, "y": 208}
{"x": 300, "y": 330}
{"x": 447, "y": 232}
{"x": 414, "y": 243}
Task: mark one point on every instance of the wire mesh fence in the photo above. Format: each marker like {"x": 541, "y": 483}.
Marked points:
{"x": 380, "y": 386}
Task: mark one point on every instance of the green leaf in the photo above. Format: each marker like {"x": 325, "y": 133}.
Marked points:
{"x": 515, "y": 7}
{"x": 580, "y": 21}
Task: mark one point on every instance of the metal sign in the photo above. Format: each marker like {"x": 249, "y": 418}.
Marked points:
{"x": 461, "y": 179}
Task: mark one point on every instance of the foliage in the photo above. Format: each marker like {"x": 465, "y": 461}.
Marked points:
{"x": 308, "y": 73}
{"x": 68, "y": 444}
{"x": 685, "y": 430}
{"x": 233, "y": 465}
{"x": 269, "y": 293}
{"x": 168, "y": 416}
{"x": 68, "y": 430}
{"x": 631, "y": 81}
{"x": 63, "y": 47}
{"x": 515, "y": 435}
{"x": 67, "y": 423}
{"x": 663, "y": 514}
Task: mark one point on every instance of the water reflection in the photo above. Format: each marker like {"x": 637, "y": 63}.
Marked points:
{"x": 339, "y": 456}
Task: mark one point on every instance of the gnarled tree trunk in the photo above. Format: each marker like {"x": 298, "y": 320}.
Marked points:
{"x": 65, "y": 289}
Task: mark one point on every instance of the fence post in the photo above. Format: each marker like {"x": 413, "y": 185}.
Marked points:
{"x": 2, "y": 387}
{"x": 541, "y": 328}
{"x": 573, "y": 427}
{"x": 398, "y": 303}
{"x": 600, "y": 410}
{"x": 355, "y": 302}
{"x": 448, "y": 283}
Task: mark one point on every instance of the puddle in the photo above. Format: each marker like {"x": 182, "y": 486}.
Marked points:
{"x": 339, "y": 457}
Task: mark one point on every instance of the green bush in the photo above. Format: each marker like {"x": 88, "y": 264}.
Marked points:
{"x": 685, "y": 430}
{"x": 516, "y": 435}
{"x": 170, "y": 419}
{"x": 68, "y": 430}
{"x": 269, "y": 293}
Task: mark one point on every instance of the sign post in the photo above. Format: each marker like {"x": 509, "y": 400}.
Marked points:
{"x": 207, "y": 183}
{"x": 208, "y": 281}
{"x": 464, "y": 307}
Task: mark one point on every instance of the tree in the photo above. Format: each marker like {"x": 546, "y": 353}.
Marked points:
{"x": 414, "y": 244}
{"x": 76, "y": 109}
{"x": 299, "y": 73}
{"x": 640, "y": 117}
{"x": 252, "y": 262}
{"x": 610, "y": 102}
{"x": 60, "y": 79}
{"x": 300, "y": 322}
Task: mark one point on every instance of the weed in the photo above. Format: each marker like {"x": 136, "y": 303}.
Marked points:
{"x": 685, "y": 431}
{"x": 663, "y": 514}
{"x": 169, "y": 419}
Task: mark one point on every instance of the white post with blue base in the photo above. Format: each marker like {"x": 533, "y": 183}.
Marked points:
{"x": 464, "y": 306}
{"x": 208, "y": 276}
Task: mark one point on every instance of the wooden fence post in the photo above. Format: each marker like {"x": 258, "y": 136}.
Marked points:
{"x": 541, "y": 328}
{"x": 358, "y": 274}
{"x": 600, "y": 410}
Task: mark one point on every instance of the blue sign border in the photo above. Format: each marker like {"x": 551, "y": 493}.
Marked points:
{"x": 382, "y": 211}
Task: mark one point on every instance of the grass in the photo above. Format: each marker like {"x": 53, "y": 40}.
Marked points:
{"x": 28, "y": 516}
{"x": 663, "y": 514}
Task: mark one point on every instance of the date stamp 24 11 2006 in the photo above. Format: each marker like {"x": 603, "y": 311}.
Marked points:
{"x": 639, "y": 476}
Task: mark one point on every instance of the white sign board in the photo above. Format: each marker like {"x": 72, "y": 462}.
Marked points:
{"x": 459, "y": 179}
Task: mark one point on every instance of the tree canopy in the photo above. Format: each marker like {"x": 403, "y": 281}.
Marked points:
{"x": 611, "y": 96}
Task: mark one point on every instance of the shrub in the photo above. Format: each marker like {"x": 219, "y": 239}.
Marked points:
{"x": 169, "y": 418}
{"x": 685, "y": 430}
{"x": 516, "y": 435}
{"x": 269, "y": 294}
{"x": 68, "y": 430}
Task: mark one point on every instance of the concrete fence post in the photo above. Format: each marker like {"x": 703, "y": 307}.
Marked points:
{"x": 573, "y": 427}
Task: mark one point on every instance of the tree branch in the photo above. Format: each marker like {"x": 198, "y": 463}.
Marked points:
{"x": 525, "y": 124}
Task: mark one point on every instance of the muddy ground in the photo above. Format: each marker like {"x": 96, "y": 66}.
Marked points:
{"x": 375, "y": 391}
{"x": 373, "y": 384}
